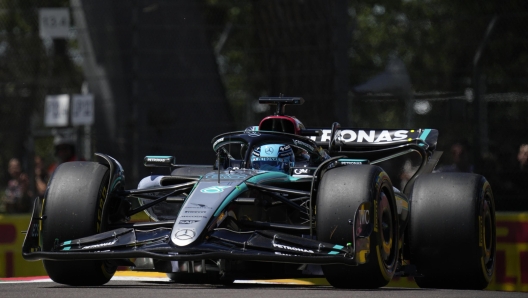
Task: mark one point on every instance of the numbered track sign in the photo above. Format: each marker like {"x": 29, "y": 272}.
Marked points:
{"x": 82, "y": 111}
{"x": 54, "y": 22}
{"x": 57, "y": 110}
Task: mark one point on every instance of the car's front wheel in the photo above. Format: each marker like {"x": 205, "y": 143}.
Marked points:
{"x": 341, "y": 192}
{"x": 73, "y": 209}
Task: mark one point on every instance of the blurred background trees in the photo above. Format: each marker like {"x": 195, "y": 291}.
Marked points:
{"x": 30, "y": 68}
{"x": 175, "y": 67}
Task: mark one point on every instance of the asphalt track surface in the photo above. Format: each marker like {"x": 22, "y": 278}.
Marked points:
{"x": 146, "y": 287}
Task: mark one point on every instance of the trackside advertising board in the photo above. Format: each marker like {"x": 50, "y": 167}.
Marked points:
{"x": 511, "y": 268}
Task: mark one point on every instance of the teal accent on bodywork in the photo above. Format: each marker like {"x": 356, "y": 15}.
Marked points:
{"x": 239, "y": 189}
{"x": 424, "y": 134}
{"x": 115, "y": 184}
{"x": 336, "y": 247}
{"x": 294, "y": 178}
{"x": 267, "y": 176}
{"x": 67, "y": 243}
{"x": 158, "y": 156}
{"x": 194, "y": 187}
{"x": 275, "y": 176}
{"x": 242, "y": 187}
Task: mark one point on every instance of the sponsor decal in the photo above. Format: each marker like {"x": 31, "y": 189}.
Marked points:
{"x": 372, "y": 136}
{"x": 282, "y": 254}
{"x": 187, "y": 222}
{"x": 362, "y": 220}
{"x": 267, "y": 159}
{"x": 269, "y": 150}
{"x": 226, "y": 176}
{"x": 185, "y": 234}
{"x": 199, "y": 206}
{"x": 300, "y": 171}
{"x": 325, "y": 137}
{"x": 364, "y": 217}
{"x": 352, "y": 161}
{"x": 253, "y": 133}
{"x": 194, "y": 216}
{"x": 293, "y": 248}
{"x": 218, "y": 141}
{"x": 100, "y": 245}
{"x": 214, "y": 189}
{"x": 195, "y": 211}
{"x": 153, "y": 159}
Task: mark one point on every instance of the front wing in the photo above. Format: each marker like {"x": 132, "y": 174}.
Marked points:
{"x": 258, "y": 245}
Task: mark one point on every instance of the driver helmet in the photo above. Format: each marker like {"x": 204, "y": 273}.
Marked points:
{"x": 273, "y": 157}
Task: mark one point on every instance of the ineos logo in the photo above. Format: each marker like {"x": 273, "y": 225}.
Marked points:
{"x": 185, "y": 234}
{"x": 269, "y": 150}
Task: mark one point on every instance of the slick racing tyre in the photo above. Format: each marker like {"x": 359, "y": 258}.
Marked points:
{"x": 72, "y": 209}
{"x": 341, "y": 191}
{"x": 452, "y": 231}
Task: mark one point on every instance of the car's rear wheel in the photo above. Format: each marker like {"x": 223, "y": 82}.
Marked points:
{"x": 341, "y": 192}
{"x": 72, "y": 208}
{"x": 452, "y": 231}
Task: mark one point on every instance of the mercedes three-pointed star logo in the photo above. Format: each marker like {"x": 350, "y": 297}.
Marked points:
{"x": 185, "y": 234}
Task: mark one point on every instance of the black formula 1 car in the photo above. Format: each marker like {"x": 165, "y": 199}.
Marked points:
{"x": 356, "y": 206}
